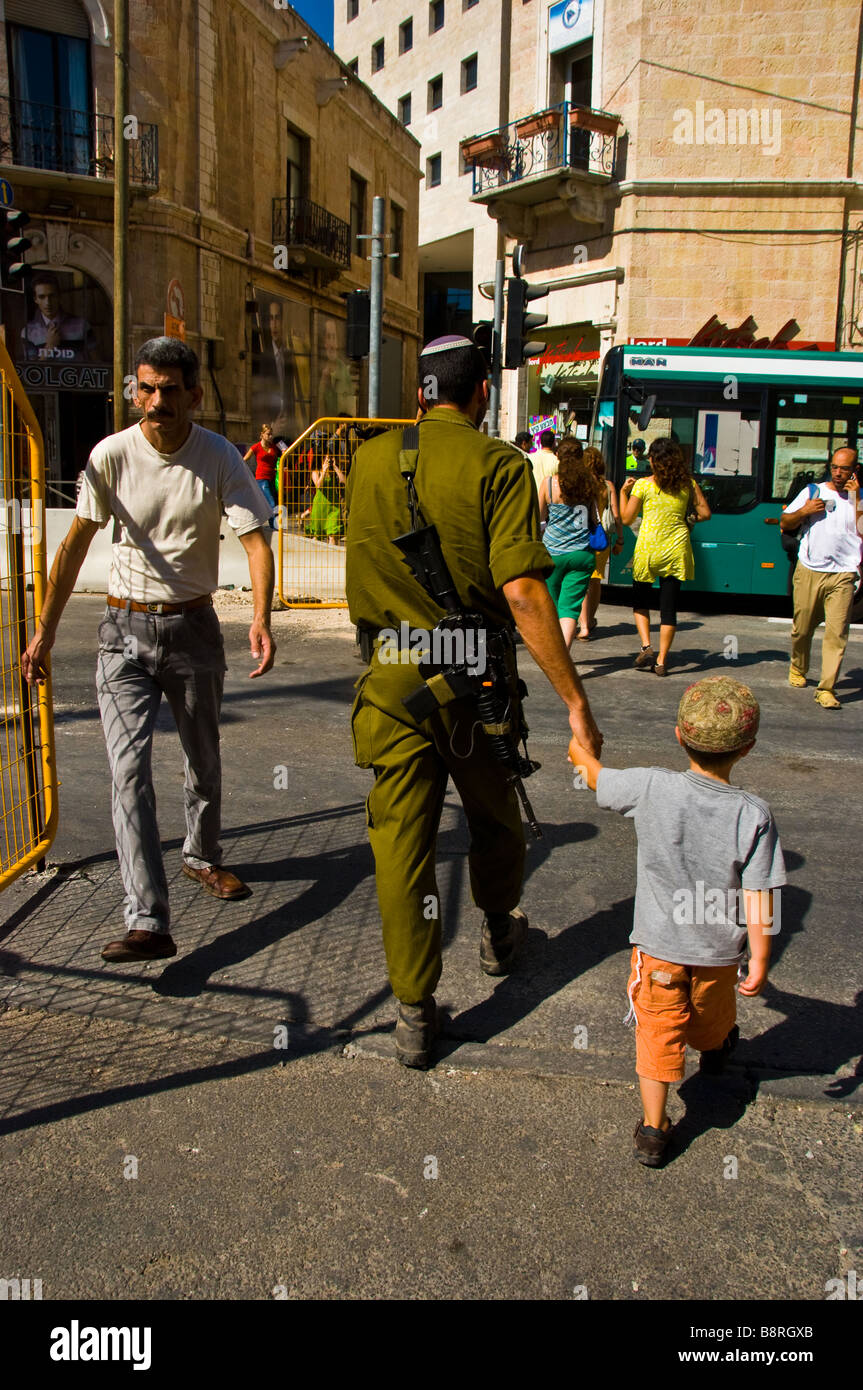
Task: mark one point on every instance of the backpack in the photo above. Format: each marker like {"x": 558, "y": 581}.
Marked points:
{"x": 790, "y": 540}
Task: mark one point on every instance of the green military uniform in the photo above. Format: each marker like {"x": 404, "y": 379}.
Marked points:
{"x": 480, "y": 495}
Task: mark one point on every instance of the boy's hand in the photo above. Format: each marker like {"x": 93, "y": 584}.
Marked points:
{"x": 587, "y": 766}
{"x": 755, "y": 980}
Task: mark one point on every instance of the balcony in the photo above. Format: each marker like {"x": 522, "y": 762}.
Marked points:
{"x": 565, "y": 151}
{"x": 62, "y": 141}
{"x": 313, "y": 236}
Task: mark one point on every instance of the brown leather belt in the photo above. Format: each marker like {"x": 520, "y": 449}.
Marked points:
{"x": 161, "y": 609}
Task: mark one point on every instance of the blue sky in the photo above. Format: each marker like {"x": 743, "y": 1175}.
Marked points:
{"x": 318, "y": 13}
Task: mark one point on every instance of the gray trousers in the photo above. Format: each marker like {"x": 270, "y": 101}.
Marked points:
{"x": 141, "y": 658}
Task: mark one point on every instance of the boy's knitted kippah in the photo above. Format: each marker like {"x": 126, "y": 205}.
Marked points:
{"x": 718, "y": 715}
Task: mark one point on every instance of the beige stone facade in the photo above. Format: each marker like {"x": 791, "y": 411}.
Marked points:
{"x": 234, "y": 90}
{"x": 736, "y": 190}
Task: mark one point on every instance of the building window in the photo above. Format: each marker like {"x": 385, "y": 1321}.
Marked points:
{"x": 358, "y": 214}
{"x": 405, "y": 109}
{"x": 468, "y": 4}
{"x": 377, "y": 55}
{"x": 436, "y": 16}
{"x": 406, "y": 36}
{"x": 435, "y": 97}
{"x": 353, "y": 9}
{"x": 397, "y": 237}
{"x": 297, "y": 165}
{"x": 52, "y": 127}
{"x": 354, "y": 67}
{"x": 433, "y": 171}
{"x": 469, "y": 74}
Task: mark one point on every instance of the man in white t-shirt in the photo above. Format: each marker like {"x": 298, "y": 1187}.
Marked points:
{"x": 165, "y": 483}
{"x": 544, "y": 461}
{"x": 827, "y": 571}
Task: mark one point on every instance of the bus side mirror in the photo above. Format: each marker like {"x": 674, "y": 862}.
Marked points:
{"x": 646, "y": 414}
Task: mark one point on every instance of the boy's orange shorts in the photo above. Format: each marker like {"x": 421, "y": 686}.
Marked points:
{"x": 675, "y": 1005}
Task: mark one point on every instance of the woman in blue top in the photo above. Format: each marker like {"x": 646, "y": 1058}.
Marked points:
{"x": 568, "y": 503}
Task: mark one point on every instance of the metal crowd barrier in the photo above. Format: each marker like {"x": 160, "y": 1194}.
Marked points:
{"x": 311, "y": 516}
{"x": 28, "y": 769}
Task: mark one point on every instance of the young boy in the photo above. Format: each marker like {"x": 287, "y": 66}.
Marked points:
{"x": 700, "y": 841}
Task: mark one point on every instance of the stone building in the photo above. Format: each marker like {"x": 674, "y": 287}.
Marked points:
{"x": 675, "y": 171}
{"x": 254, "y": 158}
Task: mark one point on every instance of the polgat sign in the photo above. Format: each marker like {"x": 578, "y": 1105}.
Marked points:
{"x": 42, "y": 375}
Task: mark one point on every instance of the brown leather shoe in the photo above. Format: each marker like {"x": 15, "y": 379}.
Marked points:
{"x": 140, "y": 945}
{"x": 220, "y": 882}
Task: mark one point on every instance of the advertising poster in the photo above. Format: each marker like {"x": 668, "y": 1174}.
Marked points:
{"x": 60, "y": 329}
{"x": 281, "y": 367}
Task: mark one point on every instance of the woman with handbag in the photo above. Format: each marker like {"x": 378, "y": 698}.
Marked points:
{"x": 568, "y": 502}
{"x": 611, "y": 523}
{"x": 671, "y": 502}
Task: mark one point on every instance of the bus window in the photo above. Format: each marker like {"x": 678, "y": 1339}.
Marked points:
{"x": 719, "y": 444}
{"x": 602, "y": 434}
{"x": 809, "y": 427}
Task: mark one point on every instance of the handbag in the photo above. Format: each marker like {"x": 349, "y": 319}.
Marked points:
{"x": 607, "y": 518}
{"x": 597, "y": 538}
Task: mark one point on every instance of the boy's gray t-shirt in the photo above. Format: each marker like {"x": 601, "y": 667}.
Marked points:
{"x": 699, "y": 842}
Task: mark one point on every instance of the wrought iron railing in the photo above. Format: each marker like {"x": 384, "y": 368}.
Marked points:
{"x": 562, "y": 137}
{"x": 300, "y": 222}
{"x": 36, "y": 136}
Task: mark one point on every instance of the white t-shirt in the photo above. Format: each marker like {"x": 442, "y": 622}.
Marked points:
{"x": 830, "y": 542}
{"x": 167, "y": 511}
{"x": 544, "y": 464}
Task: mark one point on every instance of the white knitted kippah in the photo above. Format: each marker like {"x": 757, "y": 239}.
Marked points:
{"x": 446, "y": 344}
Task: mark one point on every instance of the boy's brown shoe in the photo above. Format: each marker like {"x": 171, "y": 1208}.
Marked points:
{"x": 497, "y": 953}
{"x": 646, "y": 659}
{"x": 416, "y": 1030}
{"x": 140, "y": 945}
{"x": 651, "y": 1144}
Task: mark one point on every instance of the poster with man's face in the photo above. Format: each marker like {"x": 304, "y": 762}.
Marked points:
{"x": 281, "y": 367}
{"x": 336, "y": 389}
{"x": 66, "y": 319}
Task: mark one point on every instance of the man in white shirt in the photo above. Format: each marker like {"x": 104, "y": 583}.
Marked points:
{"x": 827, "y": 571}
{"x": 544, "y": 461}
{"x": 164, "y": 483}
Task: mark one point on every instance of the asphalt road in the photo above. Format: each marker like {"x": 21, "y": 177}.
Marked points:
{"x": 303, "y": 1168}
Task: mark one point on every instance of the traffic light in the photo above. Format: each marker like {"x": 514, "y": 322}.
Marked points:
{"x": 518, "y": 347}
{"x": 483, "y": 335}
{"x": 358, "y": 339}
{"x": 14, "y": 271}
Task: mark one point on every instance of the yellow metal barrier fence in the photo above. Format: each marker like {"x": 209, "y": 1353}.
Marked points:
{"x": 311, "y": 495}
{"x": 28, "y": 777}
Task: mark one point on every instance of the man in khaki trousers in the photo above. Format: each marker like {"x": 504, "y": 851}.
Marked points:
{"x": 827, "y": 571}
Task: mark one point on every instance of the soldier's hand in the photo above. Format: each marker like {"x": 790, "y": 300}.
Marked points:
{"x": 263, "y": 648}
{"x": 585, "y": 731}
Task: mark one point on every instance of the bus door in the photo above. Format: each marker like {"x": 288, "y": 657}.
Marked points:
{"x": 721, "y": 443}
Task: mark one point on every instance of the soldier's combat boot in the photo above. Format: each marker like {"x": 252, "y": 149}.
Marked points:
{"x": 416, "y": 1030}
{"x": 502, "y": 940}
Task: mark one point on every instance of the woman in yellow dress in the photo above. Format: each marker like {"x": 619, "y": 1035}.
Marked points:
{"x": 663, "y": 549}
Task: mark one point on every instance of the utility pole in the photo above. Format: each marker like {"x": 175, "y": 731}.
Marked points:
{"x": 496, "y": 357}
{"x": 376, "y": 307}
{"x": 121, "y": 205}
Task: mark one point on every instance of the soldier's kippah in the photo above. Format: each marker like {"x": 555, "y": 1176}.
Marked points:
{"x": 446, "y": 344}
{"x": 718, "y": 715}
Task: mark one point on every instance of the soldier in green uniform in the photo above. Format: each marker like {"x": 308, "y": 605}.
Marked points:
{"x": 480, "y": 495}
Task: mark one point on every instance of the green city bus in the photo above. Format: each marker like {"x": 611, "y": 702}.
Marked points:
{"x": 755, "y": 426}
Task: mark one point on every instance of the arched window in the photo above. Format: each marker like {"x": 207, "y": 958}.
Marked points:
{"x": 51, "y": 105}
